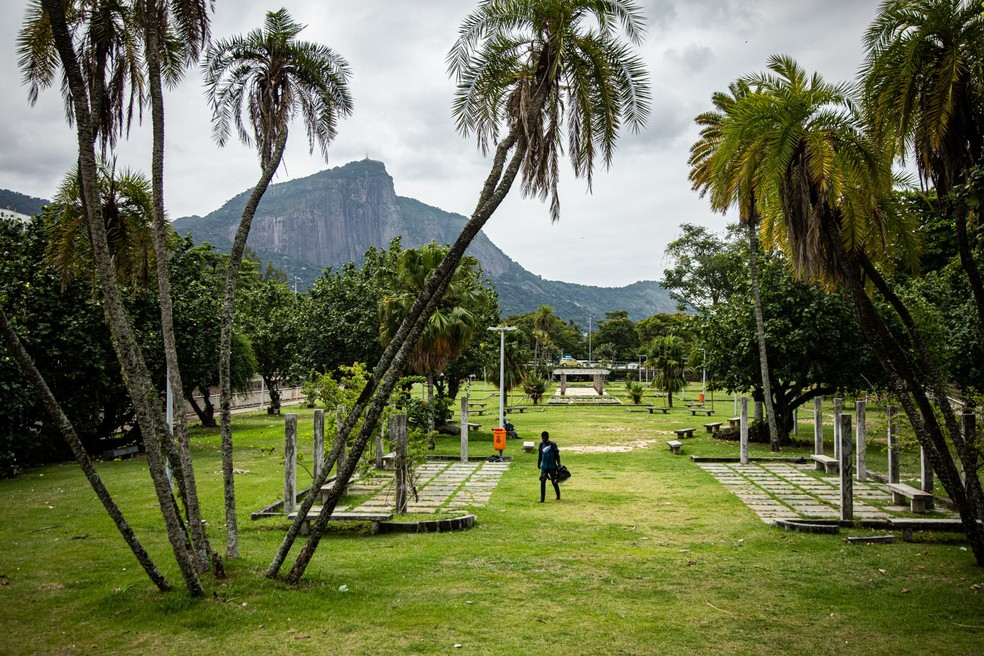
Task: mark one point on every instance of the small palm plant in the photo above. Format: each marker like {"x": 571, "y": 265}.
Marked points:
{"x": 536, "y": 388}
{"x": 635, "y": 390}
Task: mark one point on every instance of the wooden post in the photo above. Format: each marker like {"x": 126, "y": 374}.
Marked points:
{"x": 925, "y": 472}
{"x": 340, "y": 412}
{"x": 379, "y": 444}
{"x": 846, "y": 470}
{"x": 398, "y": 434}
{"x": 893, "y": 445}
{"x": 838, "y": 406}
{"x": 818, "y": 425}
{"x": 290, "y": 462}
{"x": 744, "y": 430}
{"x": 319, "y": 443}
{"x": 968, "y": 426}
{"x": 861, "y": 432}
{"x": 464, "y": 429}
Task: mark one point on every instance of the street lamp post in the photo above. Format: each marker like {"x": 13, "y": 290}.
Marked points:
{"x": 502, "y": 370}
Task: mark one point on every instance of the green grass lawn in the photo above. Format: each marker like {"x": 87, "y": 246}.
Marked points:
{"x": 645, "y": 554}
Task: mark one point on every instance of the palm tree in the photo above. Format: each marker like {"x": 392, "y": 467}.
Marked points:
{"x": 271, "y": 76}
{"x": 824, "y": 195}
{"x": 126, "y": 210}
{"x": 725, "y": 175}
{"x": 667, "y": 357}
{"x": 453, "y": 324}
{"x": 87, "y": 93}
{"x": 175, "y": 31}
{"x": 923, "y": 80}
{"x": 544, "y": 322}
{"x": 522, "y": 67}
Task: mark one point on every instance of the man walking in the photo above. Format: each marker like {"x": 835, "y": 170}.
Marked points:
{"x": 547, "y": 461}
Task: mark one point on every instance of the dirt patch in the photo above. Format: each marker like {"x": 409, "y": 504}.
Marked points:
{"x": 609, "y": 448}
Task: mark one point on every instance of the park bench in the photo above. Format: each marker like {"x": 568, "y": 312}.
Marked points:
{"x": 826, "y": 463}
{"x": 675, "y": 446}
{"x": 653, "y": 410}
{"x": 476, "y": 405}
{"x": 637, "y": 410}
{"x": 476, "y": 411}
{"x": 471, "y": 427}
{"x": 519, "y": 410}
{"x": 734, "y": 422}
{"x": 704, "y": 411}
{"x": 374, "y": 517}
{"x": 713, "y": 427}
{"x": 528, "y": 447}
{"x": 684, "y": 432}
{"x": 919, "y": 501}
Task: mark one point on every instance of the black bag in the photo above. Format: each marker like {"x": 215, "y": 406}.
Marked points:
{"x": 562, "y": 473}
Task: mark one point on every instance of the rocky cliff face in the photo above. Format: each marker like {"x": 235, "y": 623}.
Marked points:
{"x": 334, "y": 216}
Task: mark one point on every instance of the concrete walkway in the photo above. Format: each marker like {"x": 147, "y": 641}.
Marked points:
{"x": 441, "y": 487}
{"x": 786, "y": 490}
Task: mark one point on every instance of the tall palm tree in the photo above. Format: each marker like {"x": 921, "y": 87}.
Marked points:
{"x": 451, "y": 327}
{"x": 923, "y": 78}
{"x": 86, "y": 93}
{"x": 174, "y": 33}
{"x": 824, "y": 195}
{"x": 544, "y": 322}
{"x": 522, "y": 67}
{"x": 725, "y": 175}
{"x": 271, "y": 76}
{"x": 667, "y": 357}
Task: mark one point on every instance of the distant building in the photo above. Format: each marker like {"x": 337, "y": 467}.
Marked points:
{"x": 14, "y": 216}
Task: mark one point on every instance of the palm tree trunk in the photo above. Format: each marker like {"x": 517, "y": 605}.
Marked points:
{"x": 225, "y": 343}
{"x": 146, "y": 401}
{"x": 71, "y": 437}
{"x": 909, "y": 385}
{"x": 752, "y": 225}
{"x": 188, "y": 488}
{"x": 386, "y": 373}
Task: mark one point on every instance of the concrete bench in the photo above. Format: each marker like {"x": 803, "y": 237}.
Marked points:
{"x": 919, "y": 501}
{"x": 374, "y": 517}
{"x": 476, "y": 405}
{"x": 654, "y": 410}
{"x": 528, "y": 447}
{"x": 703, "y": 411}
{"x": 675, "y": 446}
{"x": 826, "y": 463}
{"x": 734, "y": 422}
{"x": 684, "y": 432}
{"x": 713, "y": 427}
{"x": 519, "y": 410}
{"x": 476, "y": 411}
{"x": 471, "y": 427}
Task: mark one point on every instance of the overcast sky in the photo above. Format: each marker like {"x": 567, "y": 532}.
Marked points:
{"x": 402, "y": 94}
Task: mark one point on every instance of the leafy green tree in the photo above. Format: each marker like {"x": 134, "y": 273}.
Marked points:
{"x": 271, "y": 76}
{"x": 271, "y": 321}
{"x": 660, "y": 325}
{"x": 703, "y": 267}
{"x": 522, "y": 67}
{"x": 814, "y": 336}
{"x": 619, "y": 331}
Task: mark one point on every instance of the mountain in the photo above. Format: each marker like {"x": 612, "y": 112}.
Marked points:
{"x": 334, "y": 216}
{"x": 21, "y": 203}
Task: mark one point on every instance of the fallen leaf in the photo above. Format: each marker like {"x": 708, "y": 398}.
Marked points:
{"x": 904, "y": 590}
{"x": 881, "y": 570}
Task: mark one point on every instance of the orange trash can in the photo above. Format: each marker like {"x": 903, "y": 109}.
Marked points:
{"x": 499, "y": 439}
{"x": 701, "y": 397}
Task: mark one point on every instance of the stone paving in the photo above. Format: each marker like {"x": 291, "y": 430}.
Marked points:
{"x": 784, "y": 490}
{"x": 441, "y": 486}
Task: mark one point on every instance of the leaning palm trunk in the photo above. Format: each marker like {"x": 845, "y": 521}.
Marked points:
{"x": 225, "y": 343}
{"x": 146, "y": 401}
{"x": 909, "y": 384}
{"x": 760, "y": 331}
{"x": 188, "y": 489}
{"x": 71, "y": 437}
{"x": 386, "y": 373}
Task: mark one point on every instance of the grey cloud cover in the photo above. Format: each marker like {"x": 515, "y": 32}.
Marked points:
{"x": 402, "y": 93}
